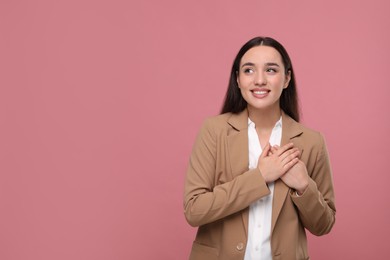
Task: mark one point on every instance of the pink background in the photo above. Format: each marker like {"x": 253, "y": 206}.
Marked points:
{"x": 100, "y": 102}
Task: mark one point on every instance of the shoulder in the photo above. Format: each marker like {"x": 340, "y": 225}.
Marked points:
{"x": 219, "y": 121}
{"x": 310, "y": 133}
{"x": 313, "y": 138}
{"x": 227, "y": 122}
{"x": 299, "y": 133}
{"x": 215, "y": 125}
{"x": 295, "y": 129}
{"x": 314, "y": 146}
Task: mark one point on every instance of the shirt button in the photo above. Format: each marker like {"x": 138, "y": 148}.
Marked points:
{"x": 240, "y": 246}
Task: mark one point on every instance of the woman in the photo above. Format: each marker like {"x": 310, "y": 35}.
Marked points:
{"x": 257, "y": 178}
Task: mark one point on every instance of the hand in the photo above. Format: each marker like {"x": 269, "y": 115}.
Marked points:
{"x": 297, "y": 177}
{"x": 273, "y": 165}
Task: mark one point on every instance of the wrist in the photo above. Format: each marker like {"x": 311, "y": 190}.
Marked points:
{"x": 300, "y": 192}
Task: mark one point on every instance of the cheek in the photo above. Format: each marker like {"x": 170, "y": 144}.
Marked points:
{"x": 281, "y": 82}
{"x": 244, "y": 92}
{"x": 243, "y": 83}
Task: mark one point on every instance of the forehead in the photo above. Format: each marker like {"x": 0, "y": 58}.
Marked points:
{"x": 262, "y": 54}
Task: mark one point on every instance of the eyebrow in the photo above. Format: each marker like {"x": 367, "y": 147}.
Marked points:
{"x": 267, "y": 64}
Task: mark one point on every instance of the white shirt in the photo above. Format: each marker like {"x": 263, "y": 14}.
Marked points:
{"x": 260, "y": 212}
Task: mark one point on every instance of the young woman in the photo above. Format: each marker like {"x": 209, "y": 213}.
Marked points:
{"x": 257, "y": 178}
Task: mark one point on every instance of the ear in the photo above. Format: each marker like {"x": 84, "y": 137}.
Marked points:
{"x": 287, "y": 79}
{"x": 237, "y": 79}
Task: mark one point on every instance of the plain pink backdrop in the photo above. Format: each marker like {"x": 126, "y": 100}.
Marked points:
{"x": 100, "y": 102}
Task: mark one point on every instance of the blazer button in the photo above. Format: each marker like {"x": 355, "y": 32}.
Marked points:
{"x": 240, "y": 246}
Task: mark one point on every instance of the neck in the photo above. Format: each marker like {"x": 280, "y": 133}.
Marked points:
{"x": 264, "y": 119}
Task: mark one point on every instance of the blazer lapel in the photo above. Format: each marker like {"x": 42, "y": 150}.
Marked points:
{"x": 290, "y": 129}
{"x": 237, "y": 142}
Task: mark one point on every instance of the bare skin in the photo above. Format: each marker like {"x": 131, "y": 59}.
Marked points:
{"x": 296, "y": 177}
{"x": 275, "y": 165}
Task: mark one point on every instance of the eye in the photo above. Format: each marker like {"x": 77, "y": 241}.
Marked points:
{"x": 271, "y": 70}
{"x": 248, "y": 70}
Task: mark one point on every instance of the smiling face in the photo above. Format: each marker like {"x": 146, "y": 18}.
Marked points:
{"x": 262, "y": 78}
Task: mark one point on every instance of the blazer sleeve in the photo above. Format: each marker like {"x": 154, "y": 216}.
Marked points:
{"x": 316, "y": 206}
{"x": 205, "y": 198}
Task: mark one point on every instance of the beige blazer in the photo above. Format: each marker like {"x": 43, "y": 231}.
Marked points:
{"x": 219, "y": 189}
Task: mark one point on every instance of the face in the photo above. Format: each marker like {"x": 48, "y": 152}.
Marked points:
{"x": 262, "y": 78}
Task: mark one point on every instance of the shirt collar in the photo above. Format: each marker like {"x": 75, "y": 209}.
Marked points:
{"x": 277, "y": 124}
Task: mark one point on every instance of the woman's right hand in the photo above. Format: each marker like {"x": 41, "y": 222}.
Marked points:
{"x": 273, "y": 165}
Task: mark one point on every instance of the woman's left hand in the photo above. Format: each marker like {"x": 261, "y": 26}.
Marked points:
{"x": 297, "y": 177}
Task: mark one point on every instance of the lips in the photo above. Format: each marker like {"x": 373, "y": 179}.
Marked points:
{"x": 260, "y": 93}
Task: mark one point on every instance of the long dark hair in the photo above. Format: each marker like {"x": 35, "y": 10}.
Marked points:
{"x": 235, "y": 103}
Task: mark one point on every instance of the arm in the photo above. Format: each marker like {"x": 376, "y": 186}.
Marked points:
{"x": 316, "y": 205}
{"x": 206, "y": 198}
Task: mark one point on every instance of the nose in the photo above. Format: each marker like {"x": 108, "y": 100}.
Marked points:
{"x": 260, "y": 79}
